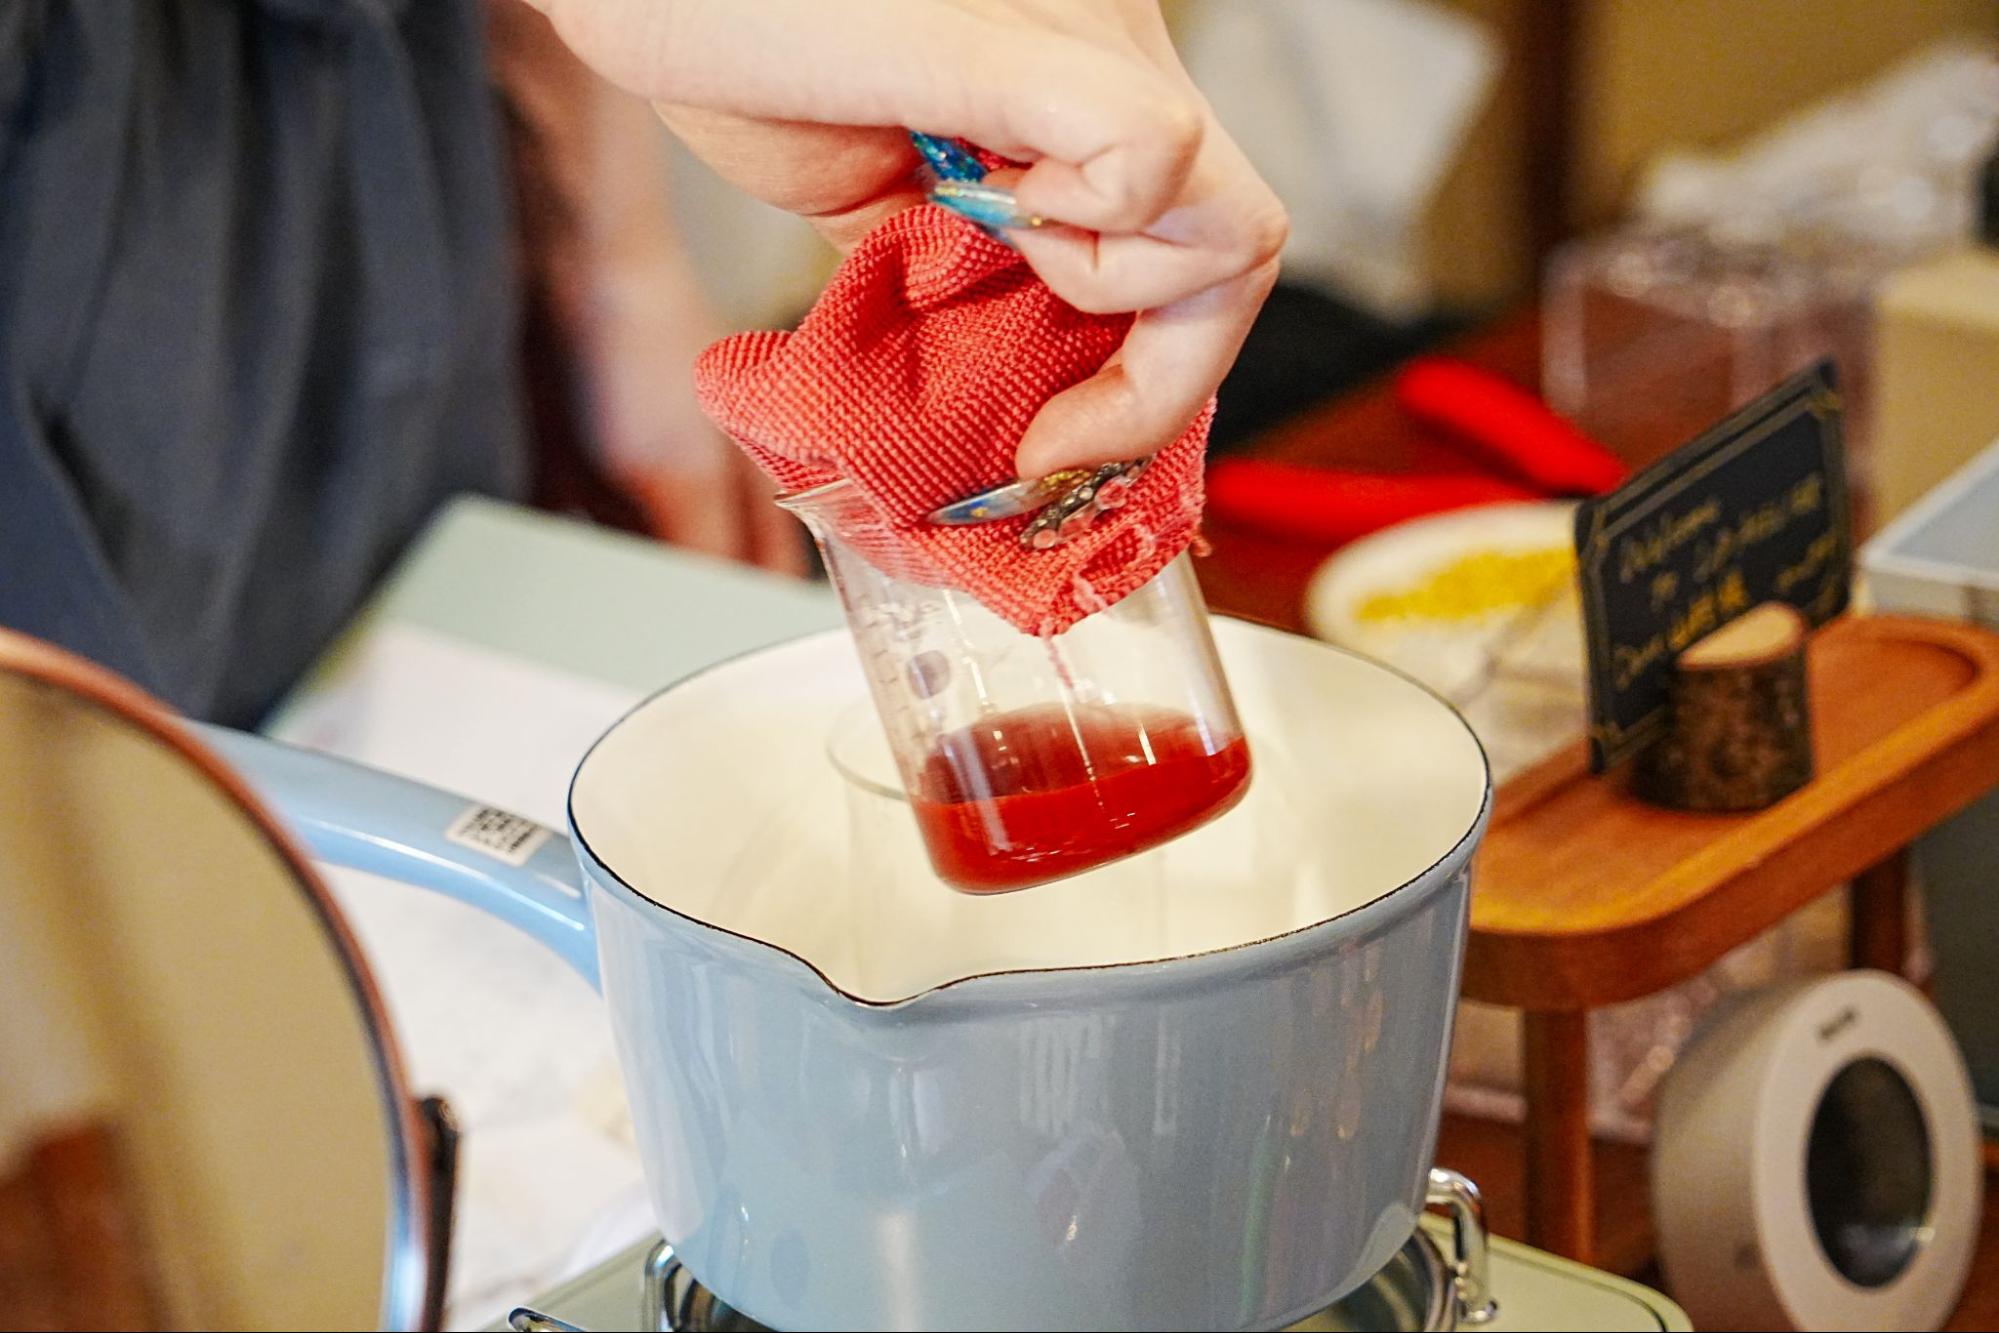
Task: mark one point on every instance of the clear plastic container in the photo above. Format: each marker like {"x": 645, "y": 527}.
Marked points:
{"x": 1652, "y": 335}
{"x": 1028, "y": 759}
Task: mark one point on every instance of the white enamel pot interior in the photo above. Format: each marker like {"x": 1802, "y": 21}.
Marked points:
{"x": 1197, "y": 1089}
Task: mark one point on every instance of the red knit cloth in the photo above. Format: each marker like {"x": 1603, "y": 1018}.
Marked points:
{"x": 914, "y": 377}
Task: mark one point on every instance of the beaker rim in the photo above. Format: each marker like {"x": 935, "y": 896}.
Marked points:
{"x": 847, "y": 749}
{"x": 810, "y": 495}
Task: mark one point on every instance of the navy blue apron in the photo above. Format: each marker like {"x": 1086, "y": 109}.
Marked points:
{"x": 257, "y": 319}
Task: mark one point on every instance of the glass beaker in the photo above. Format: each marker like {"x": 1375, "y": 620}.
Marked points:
{"x": 1027, "y": 759}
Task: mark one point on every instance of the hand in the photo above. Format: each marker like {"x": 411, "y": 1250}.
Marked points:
{"x": 804, "y": 103}
{"x": 603, "y": 258}
{"x": 695, "y": 488}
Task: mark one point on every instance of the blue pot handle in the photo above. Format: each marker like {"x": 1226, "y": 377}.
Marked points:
{"x": 522, "y": 872}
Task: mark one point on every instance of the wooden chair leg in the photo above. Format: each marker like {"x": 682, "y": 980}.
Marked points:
{"x": 1560, "y": 1192}
{"x": 1881, "y": 915}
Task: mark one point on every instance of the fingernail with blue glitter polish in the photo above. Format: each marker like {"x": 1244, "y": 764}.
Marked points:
{"x": 987, "y": 205}
{"x": 948, "y": 158}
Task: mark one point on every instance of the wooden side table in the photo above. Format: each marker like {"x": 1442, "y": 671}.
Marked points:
{"x": 1584, "y": 896}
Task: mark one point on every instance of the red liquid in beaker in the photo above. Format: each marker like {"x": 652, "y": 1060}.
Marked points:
{"x": 1045, "y": 792}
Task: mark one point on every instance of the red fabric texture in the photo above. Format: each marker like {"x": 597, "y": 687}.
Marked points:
{"x": 914, "y": 377}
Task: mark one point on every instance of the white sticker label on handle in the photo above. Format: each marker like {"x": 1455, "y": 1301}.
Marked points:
{"x": 498, "y": 833}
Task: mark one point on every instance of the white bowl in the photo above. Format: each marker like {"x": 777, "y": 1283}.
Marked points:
{"x": 1535, "y": 699}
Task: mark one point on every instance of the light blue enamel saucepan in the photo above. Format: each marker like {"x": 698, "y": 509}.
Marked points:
{"x": 1197, "y": 1089}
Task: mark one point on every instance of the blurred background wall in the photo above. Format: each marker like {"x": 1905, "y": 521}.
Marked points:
{"x": 1590, "y": 90}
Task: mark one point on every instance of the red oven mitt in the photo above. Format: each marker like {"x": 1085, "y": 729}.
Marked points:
{"x": 914, "y": 377}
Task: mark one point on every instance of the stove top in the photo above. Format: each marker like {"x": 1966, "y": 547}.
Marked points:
{"x": 1532, "y": 1290}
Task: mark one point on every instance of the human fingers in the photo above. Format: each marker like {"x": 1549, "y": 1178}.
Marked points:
{"x": 1171, "y": 363}
{"x": 1112, "y": 136}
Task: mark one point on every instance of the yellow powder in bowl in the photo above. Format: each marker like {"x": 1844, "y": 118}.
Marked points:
{"x": 1477, "y": 585}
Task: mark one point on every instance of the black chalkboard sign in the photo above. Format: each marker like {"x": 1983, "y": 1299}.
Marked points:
{"x": 1753, "y": 511}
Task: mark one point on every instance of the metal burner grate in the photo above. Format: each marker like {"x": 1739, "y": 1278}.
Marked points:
{"x": 1420, "y": 1289}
